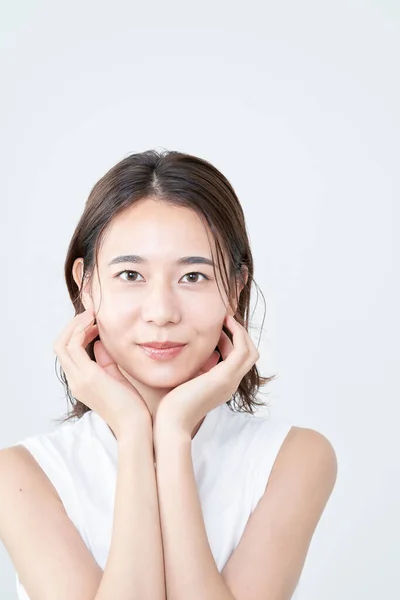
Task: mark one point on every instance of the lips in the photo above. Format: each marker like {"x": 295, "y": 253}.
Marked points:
{"x": 162, "y": 345}
{"x": 162, "y": 353}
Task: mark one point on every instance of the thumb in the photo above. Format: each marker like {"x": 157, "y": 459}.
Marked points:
{"x": 211, "y": 362}
{"x": 104, "y": 360}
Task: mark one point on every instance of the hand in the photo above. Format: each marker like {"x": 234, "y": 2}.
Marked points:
{"x": 100, "y": 385}
{"x": 188, "y": 403}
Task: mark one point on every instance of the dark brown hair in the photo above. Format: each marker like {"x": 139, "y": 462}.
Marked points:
{"x": 178, "y": 179}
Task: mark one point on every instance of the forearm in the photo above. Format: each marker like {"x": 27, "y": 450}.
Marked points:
{"x": 190, "y": 568}
{"x": 135, "y": 566}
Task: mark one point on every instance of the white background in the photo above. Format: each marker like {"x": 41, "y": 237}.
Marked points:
{"x": 297, "y": 104}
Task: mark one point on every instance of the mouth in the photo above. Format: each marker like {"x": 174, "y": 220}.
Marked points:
{"x": 162, "y": 353}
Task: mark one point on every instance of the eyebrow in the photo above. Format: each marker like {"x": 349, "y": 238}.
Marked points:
{"x": 185, "y": 260}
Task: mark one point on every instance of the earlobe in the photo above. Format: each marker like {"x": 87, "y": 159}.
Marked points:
{"x": 77, "y": 273}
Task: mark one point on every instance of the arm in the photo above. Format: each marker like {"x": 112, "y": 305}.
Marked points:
{"x": 190, "y": 568}
{"x": 48, "y": 553}
{"x": 271, "y": 553}
{"x": 134, "y": 568}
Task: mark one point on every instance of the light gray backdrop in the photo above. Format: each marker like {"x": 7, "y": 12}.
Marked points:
{"x": 297, "y": 103}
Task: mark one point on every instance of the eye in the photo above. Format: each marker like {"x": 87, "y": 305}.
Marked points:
{"x": 197, "y": 273}
{"x": 126, "y": 271}
{"x": 136, "y": 273}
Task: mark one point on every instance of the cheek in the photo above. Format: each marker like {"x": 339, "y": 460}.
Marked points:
{"x": 210, "y": 331}
{"x": 114, "y": 324}
{"x": 209, "y": 317}
{"x": 116, "y": 309}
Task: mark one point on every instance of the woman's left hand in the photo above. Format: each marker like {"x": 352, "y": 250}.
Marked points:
{"x": 185, "y": 406}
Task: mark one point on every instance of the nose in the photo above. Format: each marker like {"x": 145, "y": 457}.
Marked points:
{"x": 160, "y": 305}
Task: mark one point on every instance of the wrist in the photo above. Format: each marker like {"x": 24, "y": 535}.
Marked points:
{"x": 167, "y": 432}
{"x": 139, "y": 429}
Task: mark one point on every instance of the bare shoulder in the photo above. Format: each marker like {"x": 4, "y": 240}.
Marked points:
{"x": 270, "y": 556}
{"x": 309, "y": 438}
{"x": 310, "y": 454}
{"x": 46, "y": 548}
{"x": 18, "y": 464}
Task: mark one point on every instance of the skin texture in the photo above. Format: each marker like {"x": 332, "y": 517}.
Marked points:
{"x": 159, "y": 301}
{"x": 159, "y": 547}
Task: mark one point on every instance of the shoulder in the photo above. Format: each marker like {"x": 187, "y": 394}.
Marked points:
{"x": 310, "y": 441}
{"x": 18, "y": 466}
{"x": 309, "y": 455}
{"x": 282, "y": 524}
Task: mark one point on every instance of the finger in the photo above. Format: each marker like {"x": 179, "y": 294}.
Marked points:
{"x": 84, "y": 317}
{"x": 79, "y": 374}
{"x": 81, "y": 322}
{"x": 239, "y": 336}
{"x": 225, "y": 345}
{"x": 245, "y": 353}
{"x": 210, "y": 363}
{"x": 253, "y": 350}
{"x": 59, "y": 346}
{"x": 104, "y": 359}
{"x": 76, "y": 348}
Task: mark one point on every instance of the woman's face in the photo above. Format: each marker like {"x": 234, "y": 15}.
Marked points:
{"x": 157, "y": 299}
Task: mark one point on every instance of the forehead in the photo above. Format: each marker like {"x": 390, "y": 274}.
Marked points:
{"x": 157, "y": 230}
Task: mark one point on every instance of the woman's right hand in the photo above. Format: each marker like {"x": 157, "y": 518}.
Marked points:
{"x": 99, "y": 385}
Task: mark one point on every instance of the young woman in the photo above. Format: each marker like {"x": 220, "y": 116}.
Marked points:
{"x": 154, "y": 486}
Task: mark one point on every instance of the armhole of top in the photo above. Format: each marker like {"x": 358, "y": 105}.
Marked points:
{"x": 276, "y": 432}
{"x": 27, "y": 446}
{"x": 43, "y": 450}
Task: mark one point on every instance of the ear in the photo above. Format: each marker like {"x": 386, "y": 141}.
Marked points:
{"x": 77, "y": 273}
{"x": 245, "y": 275}
{"x": 239, "y": 286}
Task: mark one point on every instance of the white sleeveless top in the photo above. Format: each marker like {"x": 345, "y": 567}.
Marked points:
{"x": 232, "y": 453}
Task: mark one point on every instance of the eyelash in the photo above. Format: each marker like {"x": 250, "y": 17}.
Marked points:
{"x": 191, "y": 273}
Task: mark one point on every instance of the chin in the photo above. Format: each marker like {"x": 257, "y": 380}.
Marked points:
{"x": 164, "y": 378}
